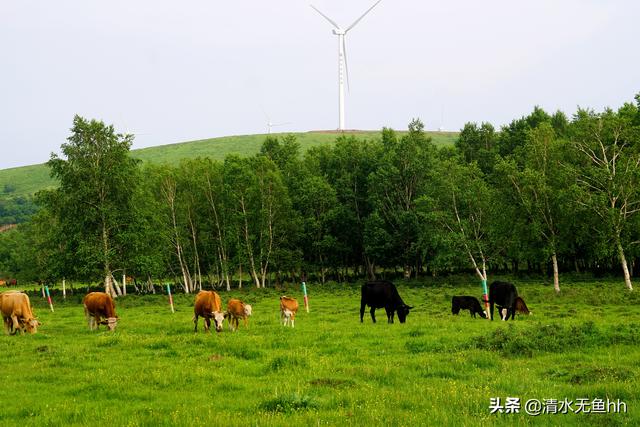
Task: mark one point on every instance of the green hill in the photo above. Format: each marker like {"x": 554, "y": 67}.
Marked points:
{"x": 26, "y": 180}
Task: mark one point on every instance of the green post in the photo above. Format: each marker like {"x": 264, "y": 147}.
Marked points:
{"x": 485, "y": 298}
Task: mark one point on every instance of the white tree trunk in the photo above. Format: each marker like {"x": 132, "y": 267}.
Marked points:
{"x": 556, "y": 275}
{"x": 108, "y": 287}
{"x": 625, "y": 267}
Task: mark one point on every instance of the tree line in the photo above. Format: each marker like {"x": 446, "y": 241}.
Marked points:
{"x": 543, "y": 193}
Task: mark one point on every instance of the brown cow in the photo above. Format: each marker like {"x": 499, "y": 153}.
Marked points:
{"x": 17, "y": 313}
{"x": 208, "y": 305}
{"x": 98, "y": 305}
{"x": 288, "y": 310}
{"x": 237, "y": 310}
{"x": 520, "y": 307}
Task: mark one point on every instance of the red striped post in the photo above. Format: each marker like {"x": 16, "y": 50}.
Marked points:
{"x": 485, "y": 298}
{"x": 170, "y": 298}
{"x": 306, "y": 298}
{"x": 49, "y": 298}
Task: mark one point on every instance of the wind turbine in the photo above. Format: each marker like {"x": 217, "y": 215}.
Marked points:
{"x": 342, "y": 59}
{"x": 270, "y": 124}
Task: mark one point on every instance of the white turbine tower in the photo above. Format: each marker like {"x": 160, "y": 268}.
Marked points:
{"x": 342, "y": 59}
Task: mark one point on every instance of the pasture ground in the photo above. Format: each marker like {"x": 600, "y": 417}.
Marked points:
{"x": 436, "y": 369}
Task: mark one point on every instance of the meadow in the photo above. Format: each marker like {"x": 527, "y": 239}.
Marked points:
{"x": 436, "y": 369}
{"x": 27, "y": 180}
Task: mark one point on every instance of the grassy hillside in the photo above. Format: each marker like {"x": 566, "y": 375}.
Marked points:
{"x": 27, "y": 180}
{"x": 434, "y": 370}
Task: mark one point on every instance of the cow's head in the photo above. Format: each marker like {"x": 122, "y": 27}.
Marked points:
{"x": 483, "y": 314}
{"x": 32, "y": 326}
{"x": 403, "y": 312}
{"x": 112, "y": 322}
{"x": 247, "y": 310}
{"x": 218, "y": 319}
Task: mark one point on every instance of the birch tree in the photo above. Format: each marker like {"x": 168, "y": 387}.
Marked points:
{"x": 539, "y": 187}
{"x": 464, "y": 208}
{"x": 609, "y": 174}
{"x": 97, "y": 178}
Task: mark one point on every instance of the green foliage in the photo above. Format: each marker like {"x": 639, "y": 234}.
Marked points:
{"x": 92, "y": 207}
{"x": 28, "y": 180}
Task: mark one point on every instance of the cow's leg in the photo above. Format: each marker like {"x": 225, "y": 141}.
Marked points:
{"x": 389, "y": 314}
{"x": 195, "y": 323}
{"x": 15, "y": 324}
{"x": 513, "y": 312}
{"x": 207, "y": 324}
{"x": 373, "y": 314}
{"x": 362, "y": 306}
{"x": 491, "y": 309}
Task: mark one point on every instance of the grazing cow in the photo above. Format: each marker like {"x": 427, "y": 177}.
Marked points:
{"x": 17, "y": 314}
{"x": 503, "y": 295}
{"x": 288, "y": 310}
{"x": 237, "y": 310}
{"x": 520, "y": 306}
{"x": 98, "y": 305}
{"x": 208, "y": 305}
{"x": 465, "y": 302}
{"x": 379, "y": 294}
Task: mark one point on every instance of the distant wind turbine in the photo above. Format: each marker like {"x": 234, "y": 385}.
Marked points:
{"x": 270, "y": 124}
{"x": 342, "y": 59}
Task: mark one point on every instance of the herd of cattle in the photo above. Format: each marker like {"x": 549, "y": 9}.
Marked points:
{"x": 99, "y": 307}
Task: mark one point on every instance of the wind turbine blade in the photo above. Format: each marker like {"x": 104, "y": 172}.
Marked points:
{"x": 346, "y": 66}
{"x": 358, "y": 20}
{"x": 326, "y": 17}
{"x": 281, "y": 124}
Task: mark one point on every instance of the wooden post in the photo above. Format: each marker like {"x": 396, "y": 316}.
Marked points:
{"x": 124, "y": 283}
{"x": 64, "y": 289}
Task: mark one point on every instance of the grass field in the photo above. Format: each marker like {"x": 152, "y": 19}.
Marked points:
{"x": 436, "y": 369}
{"x": 29, "y": 179}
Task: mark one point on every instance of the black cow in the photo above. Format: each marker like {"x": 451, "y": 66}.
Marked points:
{"x": 382, "y": 293}
{"x": 465, "y": 302}
{"x": 503, "y": 294}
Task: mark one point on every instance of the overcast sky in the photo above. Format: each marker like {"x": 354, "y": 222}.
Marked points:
{"x": 177, "y": 71}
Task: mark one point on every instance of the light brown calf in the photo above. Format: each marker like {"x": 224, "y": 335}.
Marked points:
{"x": 237, "y": 310}
{"x": 288, "y": 310}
